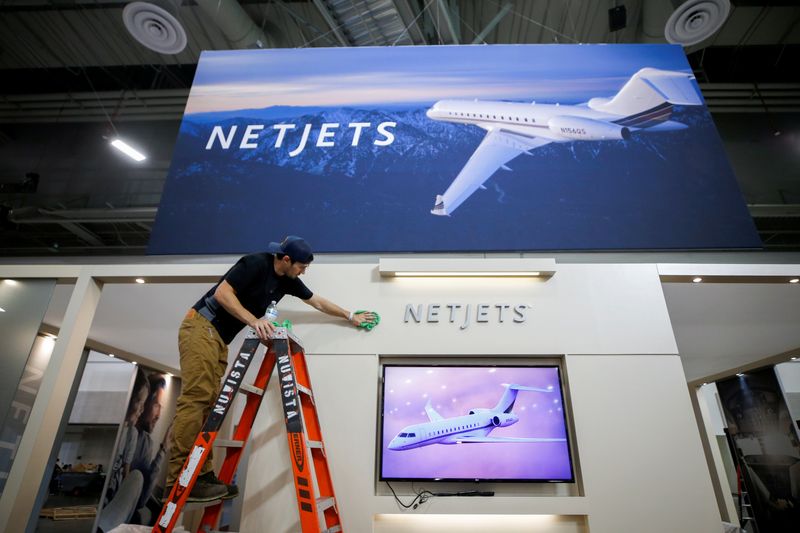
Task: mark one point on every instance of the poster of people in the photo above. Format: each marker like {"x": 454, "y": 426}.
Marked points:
{"x": 766, "y": 447}
{"x": 137, "y": 473}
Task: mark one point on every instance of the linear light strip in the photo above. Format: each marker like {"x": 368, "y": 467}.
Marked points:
{"x": 476, "y": 274}
{"x": 128, "y": 150}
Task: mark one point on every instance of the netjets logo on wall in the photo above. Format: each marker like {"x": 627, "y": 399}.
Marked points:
{"x": 464, "y": 314}
{"x": 253, "y": 134}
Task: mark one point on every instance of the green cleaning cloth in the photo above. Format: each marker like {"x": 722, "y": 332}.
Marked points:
{"x": 369, "y": 325}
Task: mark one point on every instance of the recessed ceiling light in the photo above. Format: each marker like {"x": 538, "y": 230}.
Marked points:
{"x": 794, "y": 280}
{"x": 697, "y": 280}
{"x": 139, "y": 280}
{"x": 740, "y": 374}
{"x": 169, "y": 374}
{"x": 134, "y": 363}
{"x": 2, "y": 310}
{"x": 111, "y": 355}
{"x": 128, "y": 150}
{"x": 10, "y": 282}
{"x": 795, "y": 359}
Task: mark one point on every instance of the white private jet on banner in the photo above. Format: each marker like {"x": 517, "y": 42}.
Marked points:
{"x": 644, "y": 102}
{"x": 473, "y": 427}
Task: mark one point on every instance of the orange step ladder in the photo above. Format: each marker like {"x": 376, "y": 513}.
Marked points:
{"x": 312, "y": 479}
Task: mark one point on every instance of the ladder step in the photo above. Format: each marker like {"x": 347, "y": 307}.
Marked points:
{"x": 224, "y": 443}
{"x": 305, "y": 390}
{"x": 325, "y": 503}
{"x": 315, "y": 444}
{"x": 194, "y": 506}
{"x": 250, "y": 389}
{"x": 332, "y": 529}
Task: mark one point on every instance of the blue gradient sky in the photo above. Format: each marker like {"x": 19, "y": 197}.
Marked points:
{"x": 337, "y": 77}
{"x": 453, "y": 391}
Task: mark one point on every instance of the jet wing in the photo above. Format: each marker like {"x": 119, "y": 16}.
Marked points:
{"x": 432, "y": 414}
{"x": 467, "y": 439}
{"x": 497, "y": 148}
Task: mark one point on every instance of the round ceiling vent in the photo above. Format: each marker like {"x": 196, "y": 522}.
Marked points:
{"x": 154, "y": 27}
{"x": 694, "y": 21}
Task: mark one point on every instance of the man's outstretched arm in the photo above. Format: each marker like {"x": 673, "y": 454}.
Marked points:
{"x": 329, "y": 308}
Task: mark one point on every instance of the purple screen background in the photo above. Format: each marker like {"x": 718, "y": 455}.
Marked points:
{"x": 453, "y": 391}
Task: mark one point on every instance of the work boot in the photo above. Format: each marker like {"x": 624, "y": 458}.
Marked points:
{"x": 204, "y": 490}
{"x": 211, "y": 477}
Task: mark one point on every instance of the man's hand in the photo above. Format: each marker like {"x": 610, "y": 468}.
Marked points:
{"x": 360, "y": 318}
{"x": 263, "y": 328}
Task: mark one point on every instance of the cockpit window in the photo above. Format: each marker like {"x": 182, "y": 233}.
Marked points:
{"x": 412, "y": 434}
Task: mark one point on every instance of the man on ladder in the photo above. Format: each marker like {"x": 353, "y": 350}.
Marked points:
{"x": 238, "y": 300}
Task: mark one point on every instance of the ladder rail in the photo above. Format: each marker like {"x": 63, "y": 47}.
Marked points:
{"x": 233, "y": 456}
{"x": 295, "y": 435}
{"x": 314, "y": 434}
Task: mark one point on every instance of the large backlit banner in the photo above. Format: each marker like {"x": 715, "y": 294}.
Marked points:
{"x": 450, "y": 148}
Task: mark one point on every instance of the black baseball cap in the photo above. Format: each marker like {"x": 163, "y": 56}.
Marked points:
{"x": 295, "y": 247}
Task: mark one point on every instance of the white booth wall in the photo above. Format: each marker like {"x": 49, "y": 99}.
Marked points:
{"x": 636, "y": 447}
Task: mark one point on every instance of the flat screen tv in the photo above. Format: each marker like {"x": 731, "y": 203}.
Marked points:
{"x": 473, "y": 423}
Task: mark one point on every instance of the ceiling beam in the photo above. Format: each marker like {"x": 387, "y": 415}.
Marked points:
{"x": 303, "y": 22}
{"x": 410, "y": 17}
{"x": 325, "y": 11}
{"x": 443, "y": 18}
{"x": 492, "y": 23}
{"x": 82, "y": 233}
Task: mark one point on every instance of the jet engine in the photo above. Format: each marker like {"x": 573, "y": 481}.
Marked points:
{"x": 503, "y": 420}
{"x": 587, "y": 129}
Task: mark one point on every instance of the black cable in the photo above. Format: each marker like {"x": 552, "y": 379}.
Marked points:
{"x": 423, "y": 496}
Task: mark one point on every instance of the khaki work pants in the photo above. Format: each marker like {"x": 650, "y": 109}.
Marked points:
{"x": 204, "y": 358}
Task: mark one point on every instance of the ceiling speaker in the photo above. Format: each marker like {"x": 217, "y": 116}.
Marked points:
{"x": 617, "y": 18}
{"x": 694, "y": 21}
{"x": 154, "y": 27}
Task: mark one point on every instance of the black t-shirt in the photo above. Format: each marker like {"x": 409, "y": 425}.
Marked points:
{"x": 256, "y": 284}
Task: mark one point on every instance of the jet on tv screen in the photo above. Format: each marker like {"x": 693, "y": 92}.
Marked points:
{"x": 474, "y": 423}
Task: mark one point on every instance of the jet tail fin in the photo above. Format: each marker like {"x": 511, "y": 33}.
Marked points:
{"x": 506, "y": 403}
{"x": 431, "y": 412}
{"x": 439, "y": 207}
{"x": 648, "y": 89}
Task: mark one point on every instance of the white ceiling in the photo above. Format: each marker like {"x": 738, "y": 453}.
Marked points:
{"x": 139, "y": 319}
{"x": 722, "y": 326}
{"x": 718, "y": 327}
